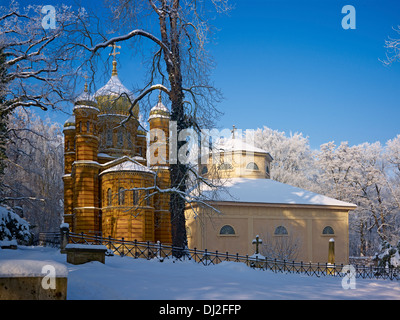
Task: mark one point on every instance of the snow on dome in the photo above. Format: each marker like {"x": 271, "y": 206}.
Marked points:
{"x": 234, "y": 144}
{"x": 159, "y": 106}
{"x": 115, "y": 87}
{"x": 85, "y": 98}
{"x": 159, "y": 111}
{"x": 70, "y": 122}
{"x": 128, "y": 165}
{"x": 271, "y": 191}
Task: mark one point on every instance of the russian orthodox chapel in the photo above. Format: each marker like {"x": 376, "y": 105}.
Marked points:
{"x": 108, "y": 187}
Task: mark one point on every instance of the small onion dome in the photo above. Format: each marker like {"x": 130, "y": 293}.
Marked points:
{"x": 159, "y": 110}
{"x": 85, "y": 99}
{"x": 70, "y": 122}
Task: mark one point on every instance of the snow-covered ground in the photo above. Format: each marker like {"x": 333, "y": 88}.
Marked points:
{"x": 128, "y": 278}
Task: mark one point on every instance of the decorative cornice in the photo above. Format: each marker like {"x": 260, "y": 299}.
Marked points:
{"x": 277, "y": 205}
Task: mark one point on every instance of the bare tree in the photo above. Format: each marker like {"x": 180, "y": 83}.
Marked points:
{"x": 282, "y": 247}
{"x": 32, "y": 183}
{"x": 392, "y": 46}
{"x": 39, "y": 72}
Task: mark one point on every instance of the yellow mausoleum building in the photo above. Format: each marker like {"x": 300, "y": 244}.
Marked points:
{"x": 108, "y": 187}
{"x": 293, "y": 223}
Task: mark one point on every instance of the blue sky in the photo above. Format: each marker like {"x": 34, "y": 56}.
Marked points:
{"x": 289, "y": 65}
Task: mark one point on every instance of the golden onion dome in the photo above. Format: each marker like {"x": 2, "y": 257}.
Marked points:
{"x": 159, "y": 110}
{"x": 70, "y": 122}
{"x": 85, "y": 99}
{"x": 114, "y": 97}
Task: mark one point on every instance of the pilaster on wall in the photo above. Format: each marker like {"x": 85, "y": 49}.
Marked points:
{"x": 86, "y": 201}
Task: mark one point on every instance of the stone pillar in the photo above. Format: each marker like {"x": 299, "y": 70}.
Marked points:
{"x": 331, "y": 252}
{"x": 64, "y": 235}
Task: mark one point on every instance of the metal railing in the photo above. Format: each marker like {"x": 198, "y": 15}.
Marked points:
{"x": 149, "y": 250}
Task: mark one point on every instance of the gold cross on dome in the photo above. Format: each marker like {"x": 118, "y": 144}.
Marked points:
{"x": 86, "y": 85}
{"x": 114, "y": 53}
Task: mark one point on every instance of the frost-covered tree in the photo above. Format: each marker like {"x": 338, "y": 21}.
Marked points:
{"x": 3, "y": 114}
{"x": 388, "y": 255}
{"x": 359, "y": 174}
{"x": 12, "y": 227}
{"x": 293, "y": 157}
{"x": 393, "y": 161}
{"x": 32, "y": 181}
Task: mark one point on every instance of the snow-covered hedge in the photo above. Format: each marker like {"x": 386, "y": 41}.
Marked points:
{"x": 388, "y": 255}
{"x": 12, "y": 226}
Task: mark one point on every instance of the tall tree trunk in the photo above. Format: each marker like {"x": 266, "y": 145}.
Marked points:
{"x": 178, "y": 170}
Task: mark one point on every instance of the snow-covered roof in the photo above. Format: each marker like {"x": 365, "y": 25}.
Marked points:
{"x": 128, "y": 164}
{"x": 104, "y": 155}
{"x": 271, "y": 191}
{"x": 233, "y": 144}
{"x": 114, "y": 86}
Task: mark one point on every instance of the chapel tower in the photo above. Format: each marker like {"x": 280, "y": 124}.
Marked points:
{"x": 159, "y": 161}
{"x": 69, "y": 158}
{"x": 86, "y": 167}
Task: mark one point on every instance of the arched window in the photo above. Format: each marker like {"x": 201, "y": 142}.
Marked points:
{"x": 225, "y": 166}
{"x": 252, "y": 166}
{"x": 88, "y": 126}
{"x": 135, "y": 197}
{"x": 121, "y": 196}
{"x": 328, "y": 230}
{"x": 280, "y": 231}
{"x": 148, "y": 198}
{"x": 109, "y": 137}
{"x": 120, "y": 137}
{"x": 227, "y": 230}
{"x": 109, "y": 197}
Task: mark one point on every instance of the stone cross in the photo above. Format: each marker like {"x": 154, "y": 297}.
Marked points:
{"x": 257, "y": 241}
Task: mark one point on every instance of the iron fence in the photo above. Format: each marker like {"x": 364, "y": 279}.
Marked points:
{"x": 149, "y": 250}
